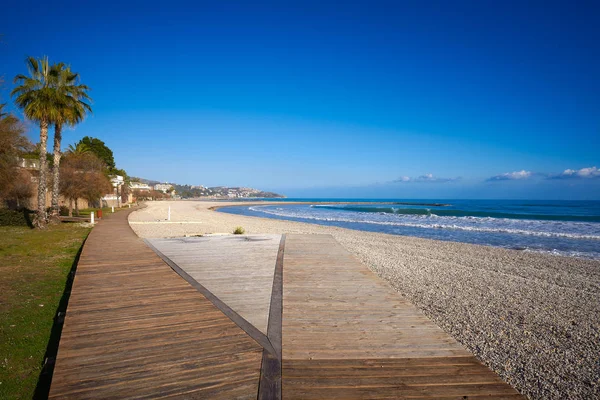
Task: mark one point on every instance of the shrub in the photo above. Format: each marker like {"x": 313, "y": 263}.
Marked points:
{"x": 64, "y": 210}
{"x": 16, "y": 218}
{"x": 239, "y": 231}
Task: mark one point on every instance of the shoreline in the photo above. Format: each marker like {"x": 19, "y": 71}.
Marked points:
{"x": 516, "y": 247}
{"x": 532, "y": 317}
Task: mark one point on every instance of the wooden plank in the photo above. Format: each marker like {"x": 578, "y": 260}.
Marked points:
{"x": 134, "y": 328}
{"x": 335, "y": 307}
{"x": 349, "y": 335}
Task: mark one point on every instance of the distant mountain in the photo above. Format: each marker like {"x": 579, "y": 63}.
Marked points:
{"x": 218, "y": 192}
{"x": 242, "y": 192}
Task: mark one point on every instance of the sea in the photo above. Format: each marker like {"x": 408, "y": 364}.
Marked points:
{"x": 568, "y": 228}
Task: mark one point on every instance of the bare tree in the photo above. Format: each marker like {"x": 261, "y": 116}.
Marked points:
{"x": 20, "y": 190}
{"x": 12, "y": 144}
{"x": 82, "y": 177}
{"x": 125, "y": 190}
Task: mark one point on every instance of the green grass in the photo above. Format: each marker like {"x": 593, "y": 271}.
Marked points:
{"x": 34, "y": 268}
{"x": 105, "y": 211}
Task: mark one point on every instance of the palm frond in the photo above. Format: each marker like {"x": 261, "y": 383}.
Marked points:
{"x": 80, "y": 148}
{"x": 51, "y": 93}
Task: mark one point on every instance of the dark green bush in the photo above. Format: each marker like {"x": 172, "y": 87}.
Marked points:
{"x": 64, "y": 210}
{"x": 16, "y": 218}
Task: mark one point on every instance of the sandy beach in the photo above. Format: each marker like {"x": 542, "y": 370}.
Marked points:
{"x": 533, "y": 318}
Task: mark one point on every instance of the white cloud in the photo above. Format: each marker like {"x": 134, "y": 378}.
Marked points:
{"x": 425, "y": 178}
{"x": 512, "y": 176}
{"x": 586, "y": 173}
{"x": 583, "y": 173}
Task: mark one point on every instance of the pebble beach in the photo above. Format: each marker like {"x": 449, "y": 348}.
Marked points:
{"x": 533, "y": 318}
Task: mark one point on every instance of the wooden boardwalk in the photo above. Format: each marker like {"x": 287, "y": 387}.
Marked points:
{"x": 348, "y": 335}
{"x": 245, "y": 317}
{"x": 136, "y": 329}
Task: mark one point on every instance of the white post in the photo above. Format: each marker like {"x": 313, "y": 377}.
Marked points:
{"x": 113, "y": 208}
{"x": 169, "y": 214}
{"x": 129, "y": 205}
{"x": 92, "y": 217}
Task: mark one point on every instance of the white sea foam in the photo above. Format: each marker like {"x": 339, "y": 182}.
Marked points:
{"x": 594, "y": 255}
{"x": 558, "y": 229}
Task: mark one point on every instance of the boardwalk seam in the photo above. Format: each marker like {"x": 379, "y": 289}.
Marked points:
{"x": 270, "y": 372}
{"x": 246, "y": 326}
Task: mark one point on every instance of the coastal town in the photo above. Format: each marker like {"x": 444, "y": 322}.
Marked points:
{"x": 178, "y": 191}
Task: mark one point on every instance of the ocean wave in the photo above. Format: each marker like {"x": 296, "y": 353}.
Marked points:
{"x": 456, "y": 213}
{"x": 592, "y": 255}
{"x": 468, "y": 223}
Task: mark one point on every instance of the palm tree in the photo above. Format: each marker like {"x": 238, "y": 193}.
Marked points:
{"x": 79, "y": 148}
{"x": 72, "y": 107}
{"x": 38, "y": 99}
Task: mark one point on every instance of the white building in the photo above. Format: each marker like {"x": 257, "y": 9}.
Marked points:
{"x": 163, "y": 187}
{"x": 139, "y": 186}
{"x": 116, "y": 180}
{"x": 113, "y": 199}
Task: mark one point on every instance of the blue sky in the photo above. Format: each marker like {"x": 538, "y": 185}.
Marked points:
{"x": 365, "y": 99}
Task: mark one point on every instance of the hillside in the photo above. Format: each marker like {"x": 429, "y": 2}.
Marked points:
{"x": 188, "y": 191}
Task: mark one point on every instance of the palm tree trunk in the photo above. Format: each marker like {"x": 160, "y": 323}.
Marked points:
{"x": 41, "y": 218}
{"x": 56, "y": 172}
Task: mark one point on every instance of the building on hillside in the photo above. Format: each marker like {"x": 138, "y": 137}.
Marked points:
{"x": 139, "y": 190}
{"x": 117, "y": 180}
{"x": 163, "y": 187}
{"x": 116, "y": 198}
{"x": 139, "y": 186}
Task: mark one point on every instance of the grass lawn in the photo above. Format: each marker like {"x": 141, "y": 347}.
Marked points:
{"x": 105, "y": 211}
{"x": 34, "y": 269}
